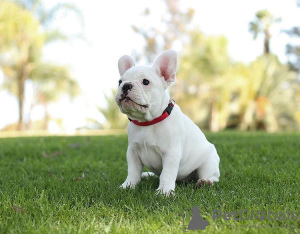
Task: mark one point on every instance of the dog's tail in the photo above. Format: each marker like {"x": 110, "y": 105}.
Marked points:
{"x": 147, "y": 174}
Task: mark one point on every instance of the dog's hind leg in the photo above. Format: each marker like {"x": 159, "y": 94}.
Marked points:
{"x": 209, "y": 172}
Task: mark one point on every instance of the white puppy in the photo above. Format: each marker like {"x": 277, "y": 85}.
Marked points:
{"x": 160, "y": 136}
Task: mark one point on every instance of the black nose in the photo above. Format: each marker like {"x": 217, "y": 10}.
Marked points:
{"x": 126, "y": 87}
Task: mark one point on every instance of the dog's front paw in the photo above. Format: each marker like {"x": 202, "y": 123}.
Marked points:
{"x": 165, "y": 191}
{"x": 128, "y": 184}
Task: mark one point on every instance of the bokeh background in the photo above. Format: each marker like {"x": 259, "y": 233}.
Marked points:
{"x": 239, "y": 61}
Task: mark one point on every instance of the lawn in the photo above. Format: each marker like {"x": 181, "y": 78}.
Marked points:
{"x": 71, "y": 185}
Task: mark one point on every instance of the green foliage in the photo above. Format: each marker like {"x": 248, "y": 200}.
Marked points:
{"x": 43, "y": 189}
{"x": 273, "y": 81}
{"x": 268, "y": 74}
{"x": 17, "y": 27}
{"x": 218, "y": 93}
{"x": 217, "y": 89}
{"x": 204, "y": 57}
{"x": 52, "y": 81}
{"x": 202, "y": 79}
{"x": 46, "y": 17}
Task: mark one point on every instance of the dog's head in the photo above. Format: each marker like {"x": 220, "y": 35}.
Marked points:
{"x": 142, "y": 90}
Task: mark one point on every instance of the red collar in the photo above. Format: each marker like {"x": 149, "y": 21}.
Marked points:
{"x": 164, "y": 115}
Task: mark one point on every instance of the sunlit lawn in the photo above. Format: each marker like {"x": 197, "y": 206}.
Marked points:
{"x": 71, "y": 185}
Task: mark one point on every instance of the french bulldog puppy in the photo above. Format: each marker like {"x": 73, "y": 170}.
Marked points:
{"x": 160, "y": 136}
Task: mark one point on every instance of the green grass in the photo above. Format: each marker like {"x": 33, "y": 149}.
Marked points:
{"x": 42, "y": 189}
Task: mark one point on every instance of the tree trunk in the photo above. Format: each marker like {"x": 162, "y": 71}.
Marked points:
{"x": 47, "y": 117}
{"x": 29, "y": 123}
{"x": 21, "y": 91}
{"x": 267, "y": 42}
{"x": 248, "y": 121}
{"x": 21, "y": 78}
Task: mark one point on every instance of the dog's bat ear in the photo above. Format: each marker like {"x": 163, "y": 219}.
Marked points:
{"x": 166, "y": 66}
{"x": 125, "y": 62}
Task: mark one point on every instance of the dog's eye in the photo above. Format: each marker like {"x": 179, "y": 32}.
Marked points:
{"x": 146, "y": 82}
{"x": 120, "y": 82}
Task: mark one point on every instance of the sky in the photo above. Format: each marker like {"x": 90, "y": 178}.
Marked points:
{"x": 108, "y": 36}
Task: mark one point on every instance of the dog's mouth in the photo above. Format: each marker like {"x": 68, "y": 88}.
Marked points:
{"x": 127, "y": 99}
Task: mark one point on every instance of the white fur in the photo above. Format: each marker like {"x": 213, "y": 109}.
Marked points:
{"x": 172, "y": 149}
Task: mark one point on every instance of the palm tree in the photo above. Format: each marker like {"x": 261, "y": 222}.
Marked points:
{"x": 22, "y": 22}
{"x": 266, "y": 74}
{"x": 262, "y": 23}
{"x": 266, "y": 79}
{"x": 22, "y": 42}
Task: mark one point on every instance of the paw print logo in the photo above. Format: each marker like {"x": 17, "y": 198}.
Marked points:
{"x": 197, "y": 222}
{"x": 260, "y": 215}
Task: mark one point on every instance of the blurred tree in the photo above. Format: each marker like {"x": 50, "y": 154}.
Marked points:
{"x": 293, "y": 50}
{"x": 262, "y": 23}
{"x": 173, "y": 29}
{"x": 21, "y": 42}
{"x": 267, "y": 78}
{"x": 197, "y": 70}
{"x": 21, "y": 25}
{"x": 47, "y": 16}
{"x": 218, "y": 93}
{"x": 114, "y": 118}
{"x": 203, "y": 66}
{"x": 51, "y": 82}
{"x": 202, "y": 81}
